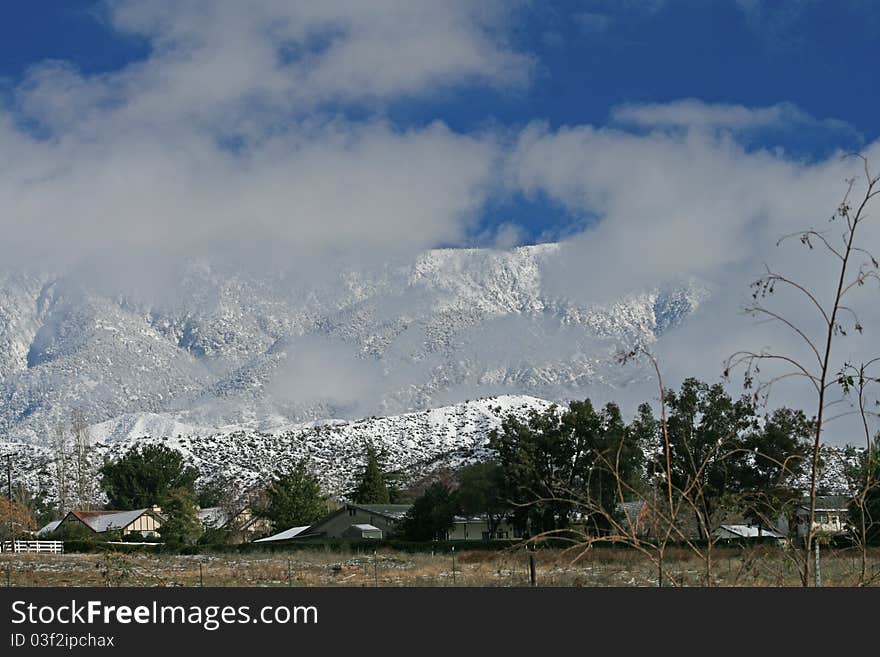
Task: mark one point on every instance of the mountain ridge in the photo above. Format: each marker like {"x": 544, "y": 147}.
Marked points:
{"x": 233, "y": 348}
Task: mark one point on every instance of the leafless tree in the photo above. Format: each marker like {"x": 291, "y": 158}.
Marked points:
{"x": 854, "y": 266}
{"x": 84, "y": 471}
{"x": 863, "y": 477}
{"x": 61, "y": 456}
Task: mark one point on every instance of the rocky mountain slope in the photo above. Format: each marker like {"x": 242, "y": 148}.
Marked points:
{"x": 413, "y": 444}
{"x": 220, "y": 347}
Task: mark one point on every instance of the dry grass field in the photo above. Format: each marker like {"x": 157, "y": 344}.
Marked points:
{"x": 597, "y": 568}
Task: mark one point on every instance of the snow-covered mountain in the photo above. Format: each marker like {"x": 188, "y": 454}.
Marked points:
{"x": 259, "y": 351}
{"x": 413, "y": 444}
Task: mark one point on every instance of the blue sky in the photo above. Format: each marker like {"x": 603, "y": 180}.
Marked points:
{"x": 590, "y": 57}
{"x": 585, "y": 59}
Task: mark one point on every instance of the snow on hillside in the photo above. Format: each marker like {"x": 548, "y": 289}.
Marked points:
{"x": 412, "y": 443}
{"x": 240, "y": 349}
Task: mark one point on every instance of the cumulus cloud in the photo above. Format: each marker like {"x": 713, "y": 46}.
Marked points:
{"x": 234, "y": 136}
{"x": 696, "y": 203}
{"x": 229, "y": 133}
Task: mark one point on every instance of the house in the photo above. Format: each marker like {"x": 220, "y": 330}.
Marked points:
{"x": 48, "y": 528}
{"x": 379, "y": 521}
{"x": 476, "y": 528}
{"x": 146, "y": 521}
{"x": 747, "y": 532}
{"x": 381, "y": 517}
{"x": 359, "y": 532}
{"x": 244, "y": 523}
{"x": 636, "y": 518}
{"x": 286, "y": 535}
{"x": 646, "y": 520}
{"x": 213, "y": 517}
{"x": 830, "y": 518}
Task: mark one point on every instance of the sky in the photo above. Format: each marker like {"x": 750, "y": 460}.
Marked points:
{"x": 658, "y": 140}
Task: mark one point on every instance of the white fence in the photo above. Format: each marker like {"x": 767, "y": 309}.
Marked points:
{"x": 52, "y": 547}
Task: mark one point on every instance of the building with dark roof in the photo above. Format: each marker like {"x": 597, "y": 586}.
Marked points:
{"x": 146, "y": 521}
{"x": 830, "y": 518}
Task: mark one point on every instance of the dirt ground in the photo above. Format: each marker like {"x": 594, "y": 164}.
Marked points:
{"x": 319, "y": 567}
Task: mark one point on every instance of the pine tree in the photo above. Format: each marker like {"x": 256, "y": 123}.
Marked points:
{"x": 371, "y": 486}
{"x": 144, "y": 475}
{"x": 294, "y": 498}
{"x": 182, "y": 525}
{"x": 431, "y": 516}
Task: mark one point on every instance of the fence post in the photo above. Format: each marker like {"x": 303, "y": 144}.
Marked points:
{"x": 453, "y": 565}
{"x": 533, "y": 575}
{"x": 818, "y": 573}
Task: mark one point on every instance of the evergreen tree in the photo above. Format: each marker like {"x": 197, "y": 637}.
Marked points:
{"x": 775, "y": 455}
{"x": 480, "y": 491}
{"x": 864, "y": 507}
{"x": 431, "y": 515}
{"x": 182, "y": 525}
{"x": 706, "y": 430}
{"x": 144, "y": 475}
{"x": 372, "y": 484}
{"x": 561, "y": 459}
{"x": 294, "y": 499}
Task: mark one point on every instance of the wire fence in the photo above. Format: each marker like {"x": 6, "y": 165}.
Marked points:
{"x": 555, "y": 568}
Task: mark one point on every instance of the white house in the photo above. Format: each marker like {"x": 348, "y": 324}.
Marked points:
{"x": 830, "y": 518}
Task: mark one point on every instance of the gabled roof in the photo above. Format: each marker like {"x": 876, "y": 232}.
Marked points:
{"x": 213, "y": 517}
{"x": 389, "y": 511}
{"x": 293, "y": 532}
{"x": 48, "y": 528}
{"x": 102, "y": 521}
{"x": 828, "y": 503}
{"x": 633, "y": 510}
{"x": 751, "y": 531}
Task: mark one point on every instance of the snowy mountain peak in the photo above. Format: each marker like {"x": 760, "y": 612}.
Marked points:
{"x": 262, "y": 351}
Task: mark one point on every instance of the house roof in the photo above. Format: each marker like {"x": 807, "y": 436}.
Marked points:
{"x": 48, "y": 528}
{"x": 632, "y": 510}
{"x": 751, "y": 531}
{"x": 283, "y": 536}
{"x": 390, "y": 511}
{"x": 213, "y": 517}
{"x": 828, "y": 503}
{"x": 366, "y": 528}
{"x": 102, "y": 521}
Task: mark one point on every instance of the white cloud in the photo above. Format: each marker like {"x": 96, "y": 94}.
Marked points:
{"x": 691, "y": 113}
{"x": 222, "y": 138}
{"x": 696, "y": 204}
